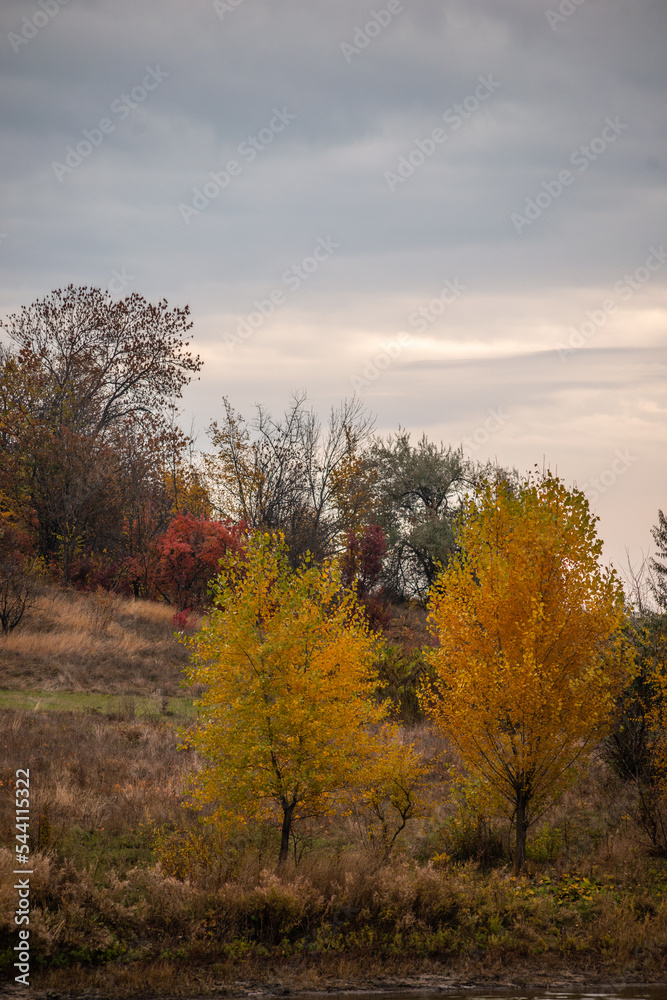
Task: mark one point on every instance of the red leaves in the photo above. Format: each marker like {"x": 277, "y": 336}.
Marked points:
{"x": 189, "y": 555}
{"x": 361, "y": 566}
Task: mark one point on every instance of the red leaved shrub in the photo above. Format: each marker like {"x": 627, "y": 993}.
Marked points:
{"x": 189, "y": 555}
{"x": 361, "y": 566}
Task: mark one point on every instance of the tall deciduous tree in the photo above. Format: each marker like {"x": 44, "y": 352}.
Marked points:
{"x": 105, "y": 358}
{"x": 530, "y": 655}
{"x": 98, "y": 368}
{"x": 289, "y": 721}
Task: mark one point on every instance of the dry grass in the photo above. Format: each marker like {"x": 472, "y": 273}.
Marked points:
{"x": 91, "y": 773}
{"x": 341, "y": 913}
{"x": 121, "y": 924}
{"x": 93, "y": 642}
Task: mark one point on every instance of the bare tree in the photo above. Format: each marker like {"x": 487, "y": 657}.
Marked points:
{"x": 280, "y": 474}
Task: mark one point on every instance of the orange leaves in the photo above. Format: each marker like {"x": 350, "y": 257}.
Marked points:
{"x": 529, "y": 654}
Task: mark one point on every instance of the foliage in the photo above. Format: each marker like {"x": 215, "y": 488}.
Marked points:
{"x": 353, "y": 481}
{"x": 106, "y": 918}
{"x": 97, "y": 925}
{"x": 189, "y": 554}
{"x": 289, "y": 721}
{"x": 361, "y": 568}
{"x": 658, "y": 722}
{"x": 111, "y": 357}
{"x": 546, "y": 845}
{"x": 636, "y": 747}
{"x": 472, "y": 832}
{"x": 530, "y": 656}
{"x": 22, "y": 385}
{"x": 196, "y": 852}
{"x": 394, "y": 794}
{"x": 93, "y": 571}
{"x": 659, "y": 566}
{"x": 418, "y": 493}
{"x": 85, "y": 403}
{"x": 402, "y": 673}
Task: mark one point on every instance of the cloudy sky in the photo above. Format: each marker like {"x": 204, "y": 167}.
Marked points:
{"x": 455, "y": 208}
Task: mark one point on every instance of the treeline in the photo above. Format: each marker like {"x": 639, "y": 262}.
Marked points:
{"x": 102, "y": 488}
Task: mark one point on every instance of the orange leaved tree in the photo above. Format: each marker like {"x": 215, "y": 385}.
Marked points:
{"x": 289, "y": 724}
{"x": 530, "y": 656}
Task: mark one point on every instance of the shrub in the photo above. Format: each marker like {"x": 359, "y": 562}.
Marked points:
{"x": 361, "y": 565}
{"x": 17, "y": 590}
{"x": 189, "y": 555}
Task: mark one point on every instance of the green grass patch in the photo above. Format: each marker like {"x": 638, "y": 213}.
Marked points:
{"x": 128, "y": 706}
{"x": 101, "y": 852}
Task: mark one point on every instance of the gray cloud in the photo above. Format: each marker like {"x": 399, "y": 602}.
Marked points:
{"x": 324, "y": 175}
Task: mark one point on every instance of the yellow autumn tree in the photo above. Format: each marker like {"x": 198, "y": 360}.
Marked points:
{"x": 289, "y": 724}
{"x": 352, "y": 486}
{"x": 530, "y": 656}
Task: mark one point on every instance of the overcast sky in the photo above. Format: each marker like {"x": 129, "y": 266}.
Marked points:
{"x": 457, "y": 209}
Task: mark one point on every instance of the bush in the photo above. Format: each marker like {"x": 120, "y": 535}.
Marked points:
{"x": 545, "y": 845}
{"x": 189, "y": 555}
{"x": 361, "y": 567}
{"x": 97, "y": 571}
{"x": 17, "y": 589}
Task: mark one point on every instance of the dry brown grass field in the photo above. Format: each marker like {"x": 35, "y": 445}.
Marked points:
{"x": 131, "y": 895}
{"x": 93, "y": 642}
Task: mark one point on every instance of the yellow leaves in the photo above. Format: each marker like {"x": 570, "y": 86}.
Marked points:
{"x": 528, "y": 624}
{"x": 289, "y": 714}
{"x": 352, "y": 483}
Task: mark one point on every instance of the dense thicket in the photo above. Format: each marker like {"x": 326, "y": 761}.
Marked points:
{"x": 94, "y": 468}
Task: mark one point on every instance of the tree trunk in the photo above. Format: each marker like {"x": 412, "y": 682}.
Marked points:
{"x": 521, "y": 829}
{"x": 288, "y": 811}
